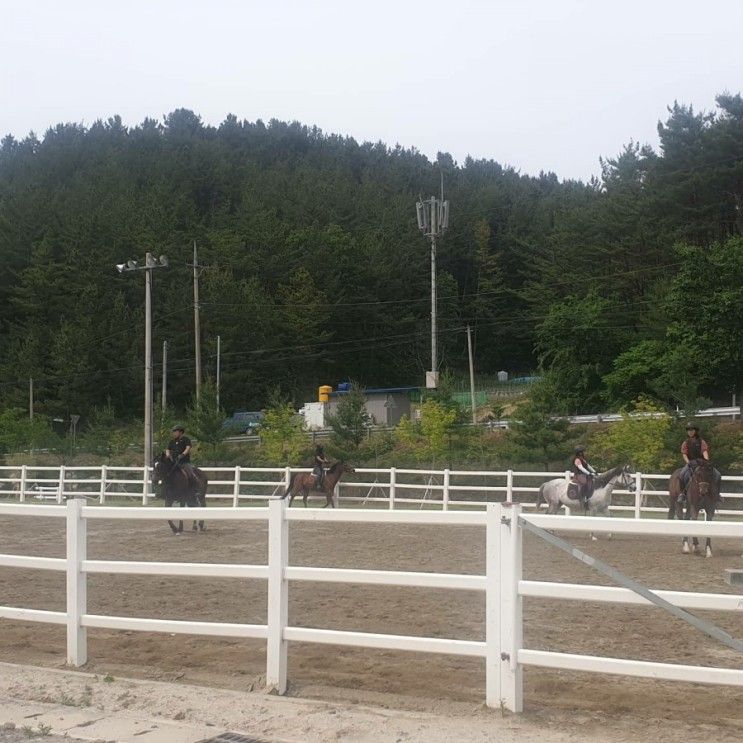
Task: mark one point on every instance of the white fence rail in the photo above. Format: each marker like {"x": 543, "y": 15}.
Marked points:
{"x": 502, "y": 647}
{"x": 391, "y": 488}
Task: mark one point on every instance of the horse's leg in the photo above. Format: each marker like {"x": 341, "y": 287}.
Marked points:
{"x": 169, "y": 504}
{"x": 202, "y": 503}
{"x": 183, "y": 505}
{"x": 710, "y": 510}
{"x": 305, "y": 495}
{"x": 693, "y": 513}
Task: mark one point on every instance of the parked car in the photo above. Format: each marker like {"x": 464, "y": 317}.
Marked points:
{"x": 243, "y": 422}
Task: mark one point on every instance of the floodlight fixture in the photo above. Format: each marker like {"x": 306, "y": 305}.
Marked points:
{"x": 120, "y": 267}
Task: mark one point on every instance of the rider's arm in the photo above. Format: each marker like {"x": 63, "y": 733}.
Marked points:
{"x": 705, "y": 450}
{"x": 580, "y": 466}
{"x": 186, "y": 451}
{"x": 684, "y": 452}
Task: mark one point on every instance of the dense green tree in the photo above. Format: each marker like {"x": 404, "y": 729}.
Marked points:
{"x": 314, "y": 270}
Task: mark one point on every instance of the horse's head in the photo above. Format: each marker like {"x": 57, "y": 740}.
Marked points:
{"x": 341, "y": 468}
{"x": 704, "y": 478}
{"x": 161, "y": 468}
{"x": 627, "y": 479}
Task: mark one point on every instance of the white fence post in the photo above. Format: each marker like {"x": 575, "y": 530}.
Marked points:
{"x": 60, "y": 488}
{"x": 568, "y": 478}
{"x": 102, "y": 492}
{"x": 509, "y": 486}
{"x": 503, "y": 617}
{"x": 287, "y": 478}
{"x": 77, "y": 599}
{"x": 145, "y": 484}
{"x": 393, "y": 481}
{"x": 445, "y": 497}
{"x": 24, "y": 472}
{"x": 236, "y": 487}
{"x": 638, "y": 495}
{"x": 278, "y": 595}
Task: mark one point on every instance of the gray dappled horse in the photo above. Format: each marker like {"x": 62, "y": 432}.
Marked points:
{"x": 559, "y": 492}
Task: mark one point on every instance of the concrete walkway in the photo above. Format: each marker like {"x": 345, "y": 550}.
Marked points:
{"x": 41, "y": 703}
{"x": 35, "y": 719}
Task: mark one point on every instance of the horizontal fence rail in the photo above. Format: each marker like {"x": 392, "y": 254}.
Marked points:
{"x": 392, "y": 488}
{"x": 505, "y": 589}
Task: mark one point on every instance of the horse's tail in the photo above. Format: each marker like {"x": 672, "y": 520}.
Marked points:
{"x": 289, "y": 487}
{"x": 540, "y": 497}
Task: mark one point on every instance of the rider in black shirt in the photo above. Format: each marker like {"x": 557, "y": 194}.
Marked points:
{"x": 179, "y": 447}
{"x": 318, "y": 470}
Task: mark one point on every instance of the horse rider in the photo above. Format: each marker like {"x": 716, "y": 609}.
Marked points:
{"x": 179, "y": 451}
{"x": 583, "y": 475}
{"x": 694, "y": 450}
{"x": 318, "y": 470}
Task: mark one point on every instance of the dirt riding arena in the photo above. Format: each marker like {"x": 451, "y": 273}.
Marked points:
{"x": 405, "y": 680}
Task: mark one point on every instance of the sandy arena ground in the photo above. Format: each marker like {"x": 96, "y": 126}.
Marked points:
{"x": 407, "y": 681}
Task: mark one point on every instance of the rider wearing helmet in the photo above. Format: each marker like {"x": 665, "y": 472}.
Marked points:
{"x": 319, "y": 464}
{"x": 583, "y": 475}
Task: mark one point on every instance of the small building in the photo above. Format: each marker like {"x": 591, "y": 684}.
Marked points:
{"x": 385, "y": 405}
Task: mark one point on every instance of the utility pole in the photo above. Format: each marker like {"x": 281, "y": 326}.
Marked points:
{"x": 433, "y": 219}
{"x": 472, "y": 374}
{"x": 219, "y": 354}
{"x": 150, "y": 264}
{"x": 30, "y": 398}
{"x": 164, "y": 395}
{"x": 196, "y": 323}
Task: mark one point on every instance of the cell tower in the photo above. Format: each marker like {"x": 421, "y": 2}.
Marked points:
{"x": 433, "y": 219}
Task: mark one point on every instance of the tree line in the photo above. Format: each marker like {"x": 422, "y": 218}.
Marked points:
{"x": 315, "y": 272}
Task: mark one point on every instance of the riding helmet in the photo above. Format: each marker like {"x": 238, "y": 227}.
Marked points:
{"x": 580, "y": 449}
{"x": 692, "y": 427}
{"x": 178, "y": 428}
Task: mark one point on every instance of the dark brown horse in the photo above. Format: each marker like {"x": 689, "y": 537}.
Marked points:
{"x": 702, "y": 494}
{"x": 304, "y": 483}
{"x": 189, "y": 489}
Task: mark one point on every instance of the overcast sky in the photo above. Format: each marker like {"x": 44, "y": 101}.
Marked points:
{"x": 536, "y": 84}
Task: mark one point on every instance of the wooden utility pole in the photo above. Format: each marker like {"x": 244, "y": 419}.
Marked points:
{"x": 196, "y": 323}
{"x": 164, "y": 395}
{"x": 472, "y": 374}
{"x": 31, "y": 398}
{"x": 219, "y": 354}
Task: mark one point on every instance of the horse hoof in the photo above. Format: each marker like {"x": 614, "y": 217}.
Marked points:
{"x": 708, "y": 552}
{"x": 594, "y": 538}
{"x": 685, "y": 549}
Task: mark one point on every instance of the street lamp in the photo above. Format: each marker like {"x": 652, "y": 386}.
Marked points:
{"x": 150, "y": 263}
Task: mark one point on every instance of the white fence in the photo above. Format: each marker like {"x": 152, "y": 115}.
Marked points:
{"x": 502, "y": 647}
{"x": 392, "y": 488}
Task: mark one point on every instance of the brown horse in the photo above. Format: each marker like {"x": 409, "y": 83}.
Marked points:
{"x": 702, "y": 494}
{"x": 304, "y": 483}
{"x": 179, "y": 485}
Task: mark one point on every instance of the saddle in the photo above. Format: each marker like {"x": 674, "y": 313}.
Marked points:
{"x": 580, "y": 488}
